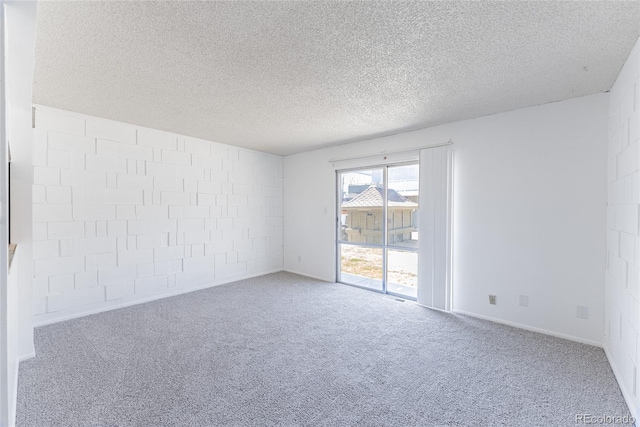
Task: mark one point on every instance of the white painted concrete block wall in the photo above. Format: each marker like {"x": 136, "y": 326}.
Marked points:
{"x": 124, "y": 214}
{"x": 622, "y": 311}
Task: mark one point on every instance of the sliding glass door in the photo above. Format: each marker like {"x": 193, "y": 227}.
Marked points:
{"x": 361, "y": 228}
{"x": 377, "y": 228}
{"x": 402, "y": 229}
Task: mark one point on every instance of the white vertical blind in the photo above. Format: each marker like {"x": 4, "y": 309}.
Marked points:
{"x": 434, "y": 226}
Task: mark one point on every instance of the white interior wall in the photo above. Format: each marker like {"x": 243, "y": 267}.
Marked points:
{"x": 528, "y": 215}
{"x": 124, "y": 214}
{"x": 13, "y": 356}
{"x": 622, "y": 320}
{"x": 8, "y": 368}
{"x": 21, "y": 28}
{"x": 19, "y": 39}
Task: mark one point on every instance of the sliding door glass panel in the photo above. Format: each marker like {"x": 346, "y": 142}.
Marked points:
{"x": 402, "y": 202}
{"x": 361, "y": 205}
{"x": 361, "y": 266}
{"x": 402, "y": 273}
{"x": 377, "y": 248}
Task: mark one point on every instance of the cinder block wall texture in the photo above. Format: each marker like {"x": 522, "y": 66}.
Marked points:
{"x": 622, "y": 309}
{"x": 123, "y": 214}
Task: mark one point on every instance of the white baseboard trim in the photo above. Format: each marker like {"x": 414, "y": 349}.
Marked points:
{"x": 531, "y": 328}
{"x": 436, "y": 309}
{"x": 628, "y": 397}
{"x": 51, "y": 318}
{"x": 324, "y": 279}
{"x": 27, "y": 356}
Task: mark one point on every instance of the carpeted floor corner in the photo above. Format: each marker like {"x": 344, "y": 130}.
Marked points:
{"x": 287, "y": 350}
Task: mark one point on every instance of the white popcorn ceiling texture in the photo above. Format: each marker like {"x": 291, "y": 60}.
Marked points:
{"x": 288, "y": 77}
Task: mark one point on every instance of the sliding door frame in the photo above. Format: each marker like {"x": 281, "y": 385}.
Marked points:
{"x": 385, "y": 226}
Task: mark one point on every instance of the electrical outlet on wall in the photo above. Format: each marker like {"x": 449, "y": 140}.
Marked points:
{"x": 492, "y": 299}
{"x": 524, "y": 301}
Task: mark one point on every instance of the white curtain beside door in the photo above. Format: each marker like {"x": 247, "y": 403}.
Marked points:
{"x": 434, "y": 226}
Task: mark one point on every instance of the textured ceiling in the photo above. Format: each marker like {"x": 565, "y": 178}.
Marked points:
{"x": 286, "y": 77}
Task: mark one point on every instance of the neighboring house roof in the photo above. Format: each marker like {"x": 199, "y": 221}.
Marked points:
{"x": 372, "y": 198}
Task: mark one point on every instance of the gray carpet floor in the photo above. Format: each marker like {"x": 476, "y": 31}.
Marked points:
{"x": 288, "y": 350}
